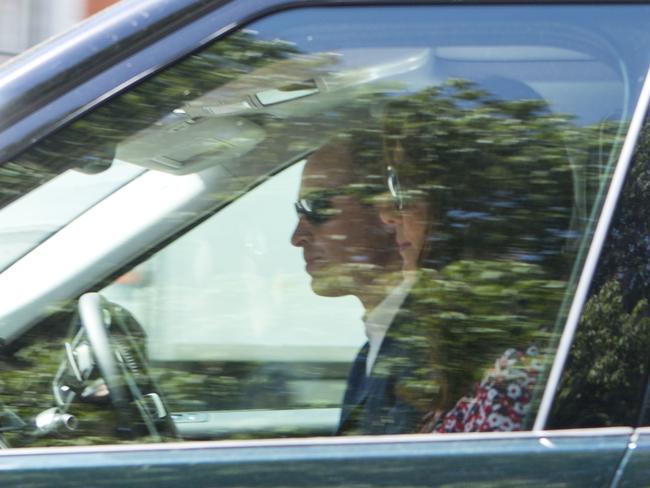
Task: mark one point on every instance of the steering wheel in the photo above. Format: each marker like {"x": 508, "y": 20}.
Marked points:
{"x": 115, "y": 342}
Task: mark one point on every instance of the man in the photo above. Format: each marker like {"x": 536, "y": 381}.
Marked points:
{"x": 348, "y": 250}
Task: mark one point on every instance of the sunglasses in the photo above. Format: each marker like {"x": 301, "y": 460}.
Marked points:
{"x": 318, "y": 208}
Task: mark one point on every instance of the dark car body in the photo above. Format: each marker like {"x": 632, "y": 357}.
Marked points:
{"x": 58, "y": 83}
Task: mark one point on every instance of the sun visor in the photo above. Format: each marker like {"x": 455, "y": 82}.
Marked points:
{"x": 218, "y": 126}
{"x": 180, "y": 144}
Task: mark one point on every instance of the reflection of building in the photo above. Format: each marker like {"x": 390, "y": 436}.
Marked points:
{"x": 24, "y": 23}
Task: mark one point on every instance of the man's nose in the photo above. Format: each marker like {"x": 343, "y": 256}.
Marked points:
{"x": 302, "y": 232}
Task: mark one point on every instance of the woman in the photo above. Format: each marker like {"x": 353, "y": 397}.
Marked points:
{"x": 481, "y": 201}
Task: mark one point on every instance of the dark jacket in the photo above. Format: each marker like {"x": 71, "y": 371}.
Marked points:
{"x": 450, "y": 328}
{"x": 401, "y": 385}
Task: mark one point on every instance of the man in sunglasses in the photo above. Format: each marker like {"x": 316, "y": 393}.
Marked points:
{"x": 349, "y": 250}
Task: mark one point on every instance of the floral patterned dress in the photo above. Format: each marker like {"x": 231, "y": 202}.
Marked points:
{"x": 499, "y": 402}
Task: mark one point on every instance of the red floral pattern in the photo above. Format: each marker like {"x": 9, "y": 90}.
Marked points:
{"x": 502, "y": 399}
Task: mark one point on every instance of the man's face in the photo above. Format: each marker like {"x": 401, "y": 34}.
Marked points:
{"x": 347, "y": 246}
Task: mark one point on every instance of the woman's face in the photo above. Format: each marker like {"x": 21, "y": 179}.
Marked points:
{"x": 411, "y": 227}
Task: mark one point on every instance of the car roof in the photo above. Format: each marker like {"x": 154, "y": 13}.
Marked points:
{"x": 62, "y": 62}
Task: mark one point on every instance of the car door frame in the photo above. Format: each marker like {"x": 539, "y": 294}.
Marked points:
{"x": 293, "y": 462}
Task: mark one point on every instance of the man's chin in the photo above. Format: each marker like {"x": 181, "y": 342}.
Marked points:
{"x": 331, "y": 286}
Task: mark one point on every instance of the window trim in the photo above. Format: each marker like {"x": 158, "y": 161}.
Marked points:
{"x": 389, "y": 441}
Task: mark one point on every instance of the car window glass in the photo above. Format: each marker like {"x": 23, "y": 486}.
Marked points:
{"x": 606, "y": 375}
{"x": 333, "y": 221}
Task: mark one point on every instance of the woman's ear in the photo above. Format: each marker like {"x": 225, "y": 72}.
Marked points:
{"x": 389, "y": 214}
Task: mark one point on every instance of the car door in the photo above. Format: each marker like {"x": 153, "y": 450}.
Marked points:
{"x": 168, "y": 203}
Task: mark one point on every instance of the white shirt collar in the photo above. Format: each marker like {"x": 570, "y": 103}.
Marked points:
{"x": 378, "y": 321}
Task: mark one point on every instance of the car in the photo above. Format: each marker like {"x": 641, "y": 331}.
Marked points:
{"x": 159, "y": 326}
